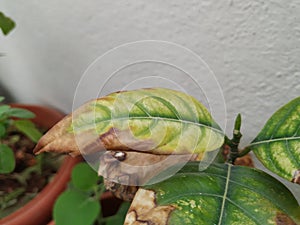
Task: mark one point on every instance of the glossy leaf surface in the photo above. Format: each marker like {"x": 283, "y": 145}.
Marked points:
{"x": 277, "y": 146}
{"x": 159, "y": 121}
{"x": 221, "y": 194}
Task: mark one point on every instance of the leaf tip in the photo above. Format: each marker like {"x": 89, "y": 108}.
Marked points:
{"x": 296, "y": 177}
{"x": 283, "y": 219}
{"x": 238, "y": 122}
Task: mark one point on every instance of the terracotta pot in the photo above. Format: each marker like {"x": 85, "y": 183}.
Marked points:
{"x": 109, "y": 205}
{"x": 38, "y": 211}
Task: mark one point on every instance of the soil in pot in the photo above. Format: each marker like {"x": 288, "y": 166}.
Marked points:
{"x": 30, "y": 176}
{"x": 38, "y": 210}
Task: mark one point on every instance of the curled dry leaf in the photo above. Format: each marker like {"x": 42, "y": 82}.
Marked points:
{"x": 144, "y": 210}
{"x": 158, "y": 121}
{"x": 150, "y": 129}
{"x": 135, "y": 169}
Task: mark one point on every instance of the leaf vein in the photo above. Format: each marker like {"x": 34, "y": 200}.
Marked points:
{"x": 225, "y": 194}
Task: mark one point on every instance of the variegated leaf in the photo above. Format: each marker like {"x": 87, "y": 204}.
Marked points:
{"x": 277, "y": 146}
{"x": 157, "y": 121}
{"x": 221, "y": 194}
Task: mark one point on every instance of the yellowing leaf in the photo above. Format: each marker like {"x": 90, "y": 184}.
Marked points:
{"x": 157, "y": 121}
{"x": 277, "y": 146}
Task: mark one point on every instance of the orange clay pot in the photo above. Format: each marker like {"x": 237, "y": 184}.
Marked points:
{"x": 38, "y": 211}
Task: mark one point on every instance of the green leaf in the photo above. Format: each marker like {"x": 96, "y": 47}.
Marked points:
{"x": 6, "y": 24}
{"x": 159, "y": 121}
{"x": 21, "y": 113}
{"x": 238, "y": 122}
{"x": 277, "y": 146}
{"x": 84, "y": 177}
{"x": 221, "y": 194}
{"x": 4, "y": 109}
{"x": 2, "y": 130}
{"x": 75, "y": 208}
{"x": 7, "y": 159}
{"x": 28, "y": 128}
{"x": 1, "y": 98}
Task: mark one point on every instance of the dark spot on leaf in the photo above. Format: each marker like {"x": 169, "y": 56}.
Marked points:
{"x": 283, "y": 219}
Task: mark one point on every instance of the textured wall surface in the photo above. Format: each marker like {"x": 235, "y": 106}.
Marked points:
{"x": 253, "y": 47}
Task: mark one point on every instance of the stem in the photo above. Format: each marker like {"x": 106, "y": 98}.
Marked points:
{"x": 244, "y": 152}
{"x": 233, "y": 144}
{"x": 235, "y": 141}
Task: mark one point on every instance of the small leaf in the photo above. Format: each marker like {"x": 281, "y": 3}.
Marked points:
{"x": 222, "y": 194}
{"x": 158, "y": 121}
{"x": 4, "y": 109}
{"x": 1, "y": 98}
{"x": 238, "y": 122}
{"x": 84, "y": 177}
{"x": 277, "y": 146}
{"x": 75, "y": 208}
{"x": 6, "y": 24}
{"x": 7, "y": 159}
{"x": 28, "y": 128}
{"x": 21, "y": 113}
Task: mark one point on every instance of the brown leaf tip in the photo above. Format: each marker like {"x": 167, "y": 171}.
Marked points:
{"x": 283, "y": 219}
{"x": 296, "y": 177}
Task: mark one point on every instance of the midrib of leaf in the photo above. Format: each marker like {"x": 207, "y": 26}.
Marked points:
{"x": 274, "y": 140}
{"x": 155, "y": 118}
{"x": 230, "y": 176}
{"x": 225, "y": 194}
{"x": 224, "y": 197}
{"x": 228, "y": 181}
{"x": 201, "y": 110}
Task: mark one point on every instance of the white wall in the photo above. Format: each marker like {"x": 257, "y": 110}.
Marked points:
{"x": 252, "y": 46}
